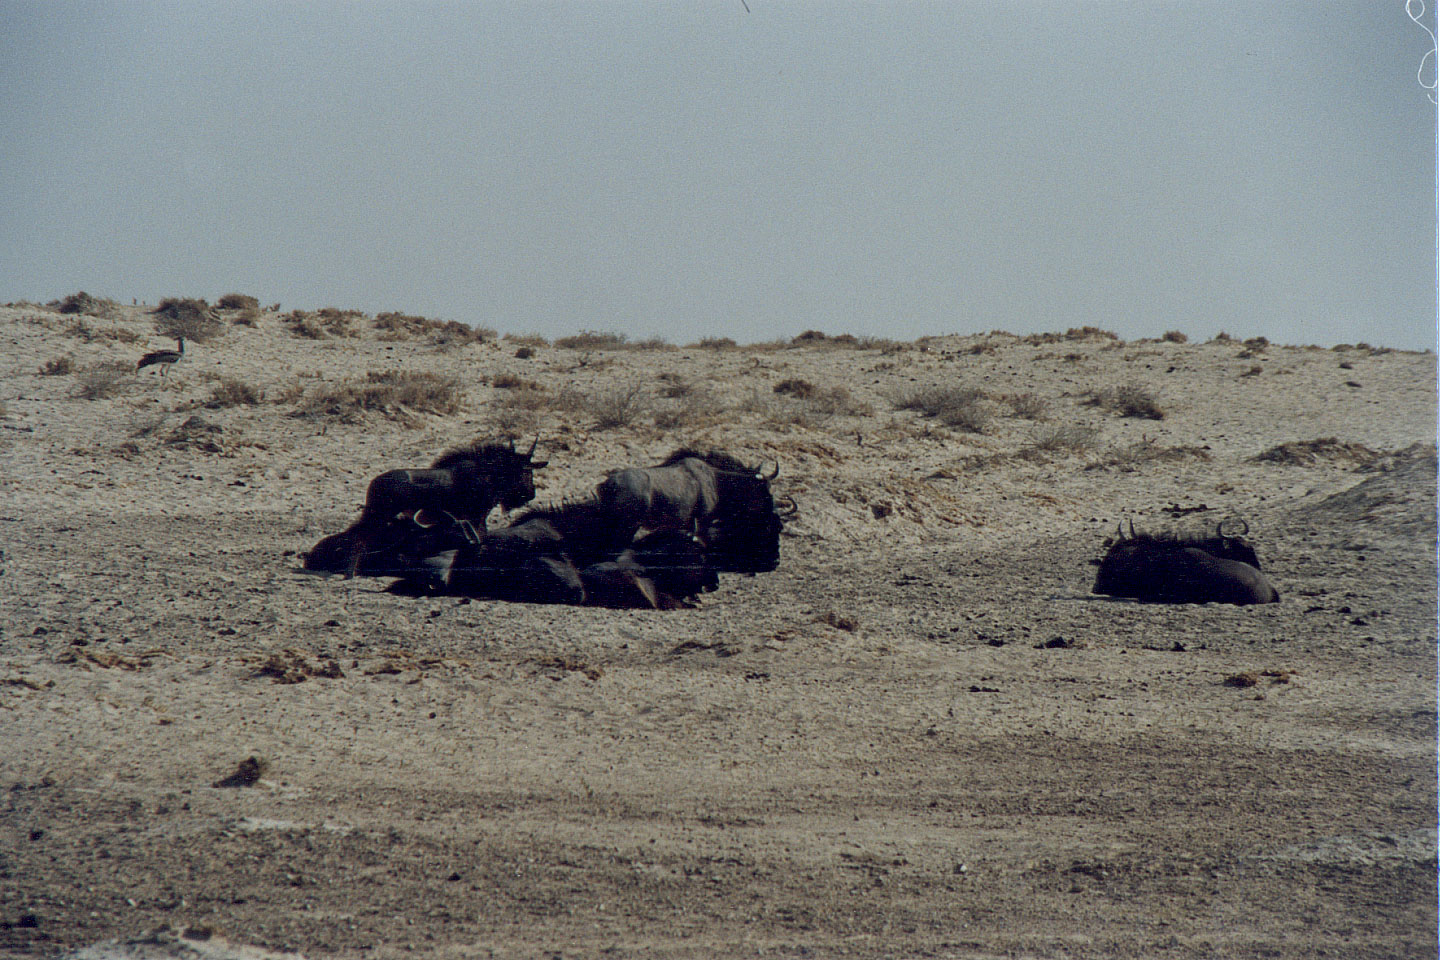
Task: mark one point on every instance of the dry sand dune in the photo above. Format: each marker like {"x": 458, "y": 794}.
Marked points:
{"x": 920, "y": 736}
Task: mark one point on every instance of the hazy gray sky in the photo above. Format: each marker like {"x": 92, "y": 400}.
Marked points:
{"x": 687, "y": 169}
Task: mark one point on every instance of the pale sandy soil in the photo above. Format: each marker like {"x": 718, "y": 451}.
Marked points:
{"x": 878, "y": 750}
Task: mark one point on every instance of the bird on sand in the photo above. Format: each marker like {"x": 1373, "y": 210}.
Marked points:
{"x": 166, "y": 358}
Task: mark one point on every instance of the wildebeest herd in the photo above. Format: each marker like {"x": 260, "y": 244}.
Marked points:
{"x": 649, "y": 537}
{"x": 656, "y": 537}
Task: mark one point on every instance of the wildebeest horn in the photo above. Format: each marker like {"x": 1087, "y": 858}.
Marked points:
{"x": 531, "y": 451}
{"x": 1132, "y": 528}
{"x": 1220, "y": 528}
{"x": 773, "y": 473}
{"x": 794, "y": 507}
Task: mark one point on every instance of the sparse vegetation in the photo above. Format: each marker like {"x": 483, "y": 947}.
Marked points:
{"x": 1027, "y": 406}
{"x": 237, "y": 301}
{"x": 1128, "y": 400}
{"x": 800, "y": 389}
{"x": 593, "y": 340}
{"x": 58, "y": 366}
{"x": 1147, "y": 450}
{"x": 715, "y": 343}
{"x": 102, "y": 381}
{"x": 527, "y": 339}
{"x": 1175, "y": 336}
{"x": 1064, "y": 438}
{"x": 960, "y": 407}
{"x": 304, "y": 325}
{"x": 84, "y": 303}
{"x": 230, "y": 392}
{"x": 617, "y": 406}
{"x": 396, "y": 395}
{"x": 188, "y": 318}
{"x": 1308, "y": 453}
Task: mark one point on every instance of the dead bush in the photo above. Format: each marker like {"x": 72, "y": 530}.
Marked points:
{"x": 800, "y": 389}
{"x": 1175, "y": 336}
{"x": 617, "y": 406}
{"x": 188, "y": 318}
{"x": 960, "y": 407}
{"x": 230, "y": 392}
{"x": 339, "y": 323}
{"x": 396, "y": 395}
{"x": 1254, "y": 371}
{"x": 809, "y": 337}
{"x": 83, "y": 303}
{"x": 249, "y": 317}
{"x": 593, "y": 340}
{"x": 237, "y": 301}
{"x": 692, "y": 410}
{"x": 1027, "y": 406}
{"x": 305, "y": 326}
{"x": 102, "y": 381}
{"x": 1128, "y": 400}
{"x": 527, "y": 339}
{"x": 524, "y": 353}
{"x": 673, "y": 386}
{"x": 508, "y": 381}
{"x": 836, "y": 402}
{"x": 1064, "y": 438}
{"x": 652, "y": 343}
{"x": 1308, "y": 453}
{"x": 58, "y": 366}
{"x": 91, "y": 334}
{"x": 715, "y": 343}
{"x": 1147, "y": 450}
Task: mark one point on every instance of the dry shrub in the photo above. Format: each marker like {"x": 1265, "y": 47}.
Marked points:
{"x": 188, "y": 318}
{"x": 1027, "y": 406}
{"x": 102, "y": 381}
{"x": 58, "y": 366}
{"x": 524, "y": 353}
{"x": 1254, "y": 371}
{"x": 395, "y": 395}
{"x": 809, "y": 337}
{"x": 593, "y": 340}
{"x": 339, "y": 323}
{"x": 617, "y": 406}
{"x": 652, "y": 343}
{"x": 884, "y": 345}
{"x": 237, "y": 301}
{"x": 1175, "y": 336}
{"x": 715, "y": 343}
{"x": 230, "y": 392}
{"x": 527, "y": 339}
{"x": 1308, "y": 453}
{"x": 836, "y": 402}
{"x": 800, "y": 389}
{"x": 961, "y": 407}
{"x": 694, "y": 409}
{"x": 673, "y": 386}
{"x": 306, "y": 326}
{"x": 1128, "y": 400}
{"x": 89, "y": 334}
{"x": 444, "y": 333}
{"x": 1221, "y": 337}
{"x": 1064, "y": 438}
{"x": 508, "y": 381}
{"x": 83, "y": 303}
{"x": 1148, "y": 450}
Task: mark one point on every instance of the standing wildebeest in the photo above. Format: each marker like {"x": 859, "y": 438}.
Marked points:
{"x": 465, "y": 483}
{"x": 713, "y": 495}
{"x": 1170, "y": 569}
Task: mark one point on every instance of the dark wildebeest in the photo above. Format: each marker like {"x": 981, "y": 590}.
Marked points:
{"x": 1173, "y": 569}
{"x": 463, "y": 484}
{"x": 531, "y": 562}
{"x": 711, "y": 494}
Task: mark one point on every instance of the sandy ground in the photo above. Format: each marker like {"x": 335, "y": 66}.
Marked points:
{"x": 920, "y": 736}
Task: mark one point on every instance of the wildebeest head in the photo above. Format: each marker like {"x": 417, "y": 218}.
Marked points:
{"x": 1174, "y": 569}
{"x": 495, "y": 471}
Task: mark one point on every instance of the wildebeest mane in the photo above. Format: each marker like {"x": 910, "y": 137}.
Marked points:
{"x": 476, "y": 451}
{"x": 716, "y": 459}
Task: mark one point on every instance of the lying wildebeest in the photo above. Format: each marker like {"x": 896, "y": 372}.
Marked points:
{"x": 531, "y": 562}
{"x": 713, "y": 495}
{"x": 465, "y": 483}
{"x": 1174, "y": 569}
